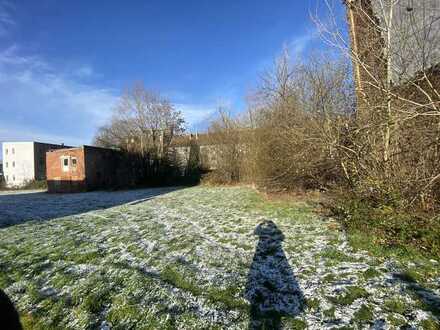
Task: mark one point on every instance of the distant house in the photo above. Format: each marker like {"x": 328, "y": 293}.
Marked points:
{"x": 25, "y": 161}
{"x": 88, "y": 168}
{"x": 181, "y": 147}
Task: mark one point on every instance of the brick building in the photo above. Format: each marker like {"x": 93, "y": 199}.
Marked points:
{"x": 88, "y": 168}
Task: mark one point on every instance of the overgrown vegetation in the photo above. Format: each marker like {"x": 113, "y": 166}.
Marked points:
{"x": 374, "y": 139}
{"x": 35, "y": 184}
{"x": 391, "y": 227}
{"x": 28, "y": 185}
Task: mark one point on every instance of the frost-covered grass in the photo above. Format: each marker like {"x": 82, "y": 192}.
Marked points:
{"x": 196, "y": 258}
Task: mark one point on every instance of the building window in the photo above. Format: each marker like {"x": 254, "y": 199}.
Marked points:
{"x": 73, "y": 162}
{"x": 6, "y": 151}
{"x": 65, "y": 163}
{"x": 6, "y": 165}
{"x": 13, "y": 151}
{"x": 13, "y": 178}
{"x": 13, "y": 164}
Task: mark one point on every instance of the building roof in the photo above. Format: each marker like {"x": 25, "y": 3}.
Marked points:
{"x": 83, "y": 147}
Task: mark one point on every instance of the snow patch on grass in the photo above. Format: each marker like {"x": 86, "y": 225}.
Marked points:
{"x": 190, "y": 258}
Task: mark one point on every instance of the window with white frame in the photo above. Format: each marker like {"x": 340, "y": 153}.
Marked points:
{"x": 65, "y": 163}
{"x": 13, "y": 164}
{"x": 13, "y": 151}
{"x": 6, "y": 151}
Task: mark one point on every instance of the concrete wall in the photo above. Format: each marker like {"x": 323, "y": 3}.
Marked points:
{"x": 415, "y": 31}
{"x": 18, "y": 163}
{"x": 208, "y": 157}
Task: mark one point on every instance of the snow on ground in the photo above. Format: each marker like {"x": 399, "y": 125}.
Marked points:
{"x": 195, "y": 258}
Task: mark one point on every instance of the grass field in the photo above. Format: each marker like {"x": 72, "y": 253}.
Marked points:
{"x": 199, "y": 258}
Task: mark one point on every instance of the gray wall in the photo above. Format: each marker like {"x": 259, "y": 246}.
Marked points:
{"x": 415, "y": 43}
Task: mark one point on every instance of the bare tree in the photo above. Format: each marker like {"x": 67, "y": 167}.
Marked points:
{"x": 144, "y": 124}
{"x": 143, "y": 121}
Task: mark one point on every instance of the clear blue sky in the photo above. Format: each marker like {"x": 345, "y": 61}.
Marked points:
{"x": 63, "y": 64}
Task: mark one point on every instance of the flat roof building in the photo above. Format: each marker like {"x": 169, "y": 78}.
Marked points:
{"x": 24, "y": 162}
{"x": 88, "y": 168}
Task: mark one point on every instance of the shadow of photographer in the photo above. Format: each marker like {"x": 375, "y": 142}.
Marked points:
{"x": 272, "y": 288}
{"x": 9, "y": 318}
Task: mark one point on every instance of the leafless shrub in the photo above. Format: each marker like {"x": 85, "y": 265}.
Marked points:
{"x": 225, "y": 137}
{"x": 301, "y": 110}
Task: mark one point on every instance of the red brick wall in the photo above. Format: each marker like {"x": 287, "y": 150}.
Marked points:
{"x": 72, "y": 180}
{"x": 97, "y": 168}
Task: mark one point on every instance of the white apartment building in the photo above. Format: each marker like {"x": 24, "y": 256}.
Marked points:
{"x": 25, "y": 161}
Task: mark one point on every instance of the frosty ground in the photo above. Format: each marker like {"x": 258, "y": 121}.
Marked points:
{"x": 198, "y": 258}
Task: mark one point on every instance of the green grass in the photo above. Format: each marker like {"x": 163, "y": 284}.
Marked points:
{"x": 295, "y": 324}
{"x": 371, "y": 273}
{"x": 329, "y": 278}
{"x": 312, "y": 304}
{"x": 329, "y": 313}
{"x": 349, "y": 295}
{"x": 395, "y": 306}
{"x": 363, "y": 315}
{"x": 229, "y": 298}
{"x": 396, "y": 321}
{"x": 430, "y": 324}
{"x": 177, "y": 260}
{"x": 178, "y": 280}
{"x": 388, "y": 232}
{"x": 334, "y": 256}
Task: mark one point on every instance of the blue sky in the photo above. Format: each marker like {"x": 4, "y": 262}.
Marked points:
{"x": 63, "y": 64}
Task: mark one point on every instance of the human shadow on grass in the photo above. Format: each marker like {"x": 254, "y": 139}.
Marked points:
{"x": 17, "y": 208}
{"x": 9, "y": 319}
{"x": 429, "y": 299}
{"x": 272, "y": 288}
